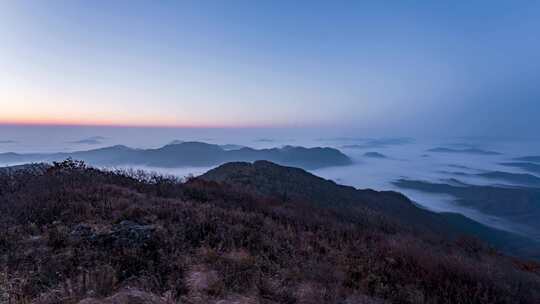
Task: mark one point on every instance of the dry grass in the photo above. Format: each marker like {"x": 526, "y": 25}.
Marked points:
{"x": 76, "y": 233}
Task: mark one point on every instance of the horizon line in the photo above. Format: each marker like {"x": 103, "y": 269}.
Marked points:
{"x": 156, "y": 126}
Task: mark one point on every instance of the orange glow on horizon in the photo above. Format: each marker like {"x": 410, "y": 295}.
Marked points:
{"x": 119, "y": 124}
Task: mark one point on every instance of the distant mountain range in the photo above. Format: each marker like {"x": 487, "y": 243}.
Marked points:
{"x": 374, "y": 155}
{"x": 534, "y": 159}
{"x": 514, "y": 179}
{"x": 94, "y": 140}
{"x": 530, "y": 167}
{"x": 518, "y": 178}
{"x": 184, "y": 154}
{"x": 520, "y": 205}
{"x": 464, "y": 151}
{"x": 375, "y": 143}
{"x": 28, "y": 168}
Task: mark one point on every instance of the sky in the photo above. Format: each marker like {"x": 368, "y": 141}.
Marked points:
{"x": 370, "y": 67}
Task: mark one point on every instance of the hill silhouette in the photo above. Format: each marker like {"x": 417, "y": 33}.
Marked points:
{"x": 384, "y": 209}
{"x": 183, "y": 154}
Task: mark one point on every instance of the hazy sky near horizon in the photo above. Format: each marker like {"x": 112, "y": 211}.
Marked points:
{"x": 449, "y": 67}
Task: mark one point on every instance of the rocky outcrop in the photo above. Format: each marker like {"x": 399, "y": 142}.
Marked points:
{"x": 124, "y": 234}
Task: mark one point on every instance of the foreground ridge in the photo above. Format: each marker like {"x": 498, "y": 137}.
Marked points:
{"x": 74, "y": 234}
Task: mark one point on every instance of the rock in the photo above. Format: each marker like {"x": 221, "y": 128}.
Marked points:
{"x": 131, "y": 234}
{"x": 82, "y": 232}
{"x": 124, "y": 234}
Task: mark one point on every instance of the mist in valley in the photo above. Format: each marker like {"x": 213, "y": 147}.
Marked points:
{"x": 377, "y": 162}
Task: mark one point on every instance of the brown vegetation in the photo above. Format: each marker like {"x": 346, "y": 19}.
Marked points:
{"x": 76, "y": 234}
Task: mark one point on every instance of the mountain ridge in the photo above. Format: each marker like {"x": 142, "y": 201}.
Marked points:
{"x": 184, "y": 154}
{"x": 393, "y": 209}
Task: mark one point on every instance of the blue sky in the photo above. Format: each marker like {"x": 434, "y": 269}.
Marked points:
{"x": 464, "y": 67}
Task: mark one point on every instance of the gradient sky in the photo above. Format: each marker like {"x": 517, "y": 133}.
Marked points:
{"x": 448, "y": 67}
